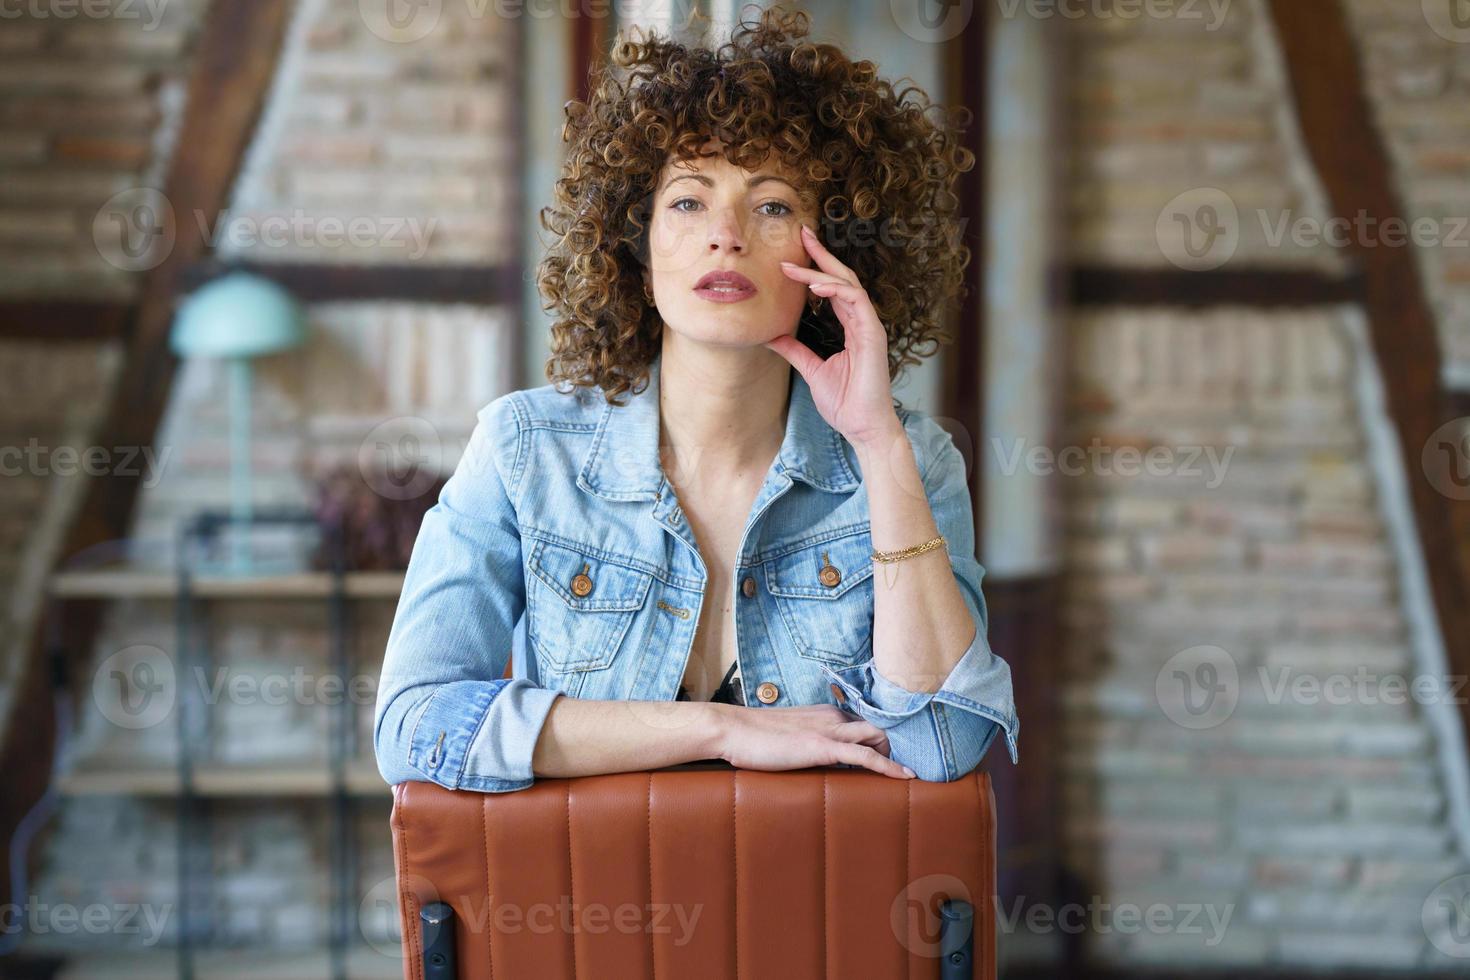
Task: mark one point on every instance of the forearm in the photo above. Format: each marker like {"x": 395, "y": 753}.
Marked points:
{"x": 588, "y": 738}
{"x": 921, "y": 625}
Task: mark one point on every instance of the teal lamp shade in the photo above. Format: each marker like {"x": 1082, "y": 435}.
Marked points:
{"x": 238, "y": 317}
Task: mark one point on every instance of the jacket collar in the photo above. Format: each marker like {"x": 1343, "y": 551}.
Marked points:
{"x": 623, "y": 460}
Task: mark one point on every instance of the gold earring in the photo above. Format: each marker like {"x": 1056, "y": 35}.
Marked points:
{"x": 648, "y": 290}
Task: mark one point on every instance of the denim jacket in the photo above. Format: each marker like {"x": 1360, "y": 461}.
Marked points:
{"x": 559, "y": 511}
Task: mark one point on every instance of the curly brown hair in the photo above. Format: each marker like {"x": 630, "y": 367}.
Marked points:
{"x": 880, "y": 169}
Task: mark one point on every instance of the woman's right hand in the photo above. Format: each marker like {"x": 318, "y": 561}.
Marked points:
{"x": 776, "y": 739}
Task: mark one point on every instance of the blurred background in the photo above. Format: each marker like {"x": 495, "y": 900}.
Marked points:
{"x": 263, "y": 260}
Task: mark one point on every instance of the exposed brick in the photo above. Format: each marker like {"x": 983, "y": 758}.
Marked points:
{"x": 125, "y": 153}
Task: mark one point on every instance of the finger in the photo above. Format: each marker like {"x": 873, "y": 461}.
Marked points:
{"x": 807, "y": 275}
{"x": 878, "y": 742}
{"x": 858, "y": 730}
{"x": 861, "y": 755}
{"x": 840, "y": 290}
{"x": 854, "y": 312}
{"x": 825, "y": 259}
{"x": 797, "y": 354}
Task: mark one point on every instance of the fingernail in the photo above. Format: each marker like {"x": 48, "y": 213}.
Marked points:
{"x": 910, "y": 773}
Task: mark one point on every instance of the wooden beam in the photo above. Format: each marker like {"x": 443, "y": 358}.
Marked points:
{"x": 963, "y": 364}
{"x": 316, "y": 283}
{"x": 589, "y": 49}
{"x": 64, "y": 320}
{"x": 1328, "y": 86}
{"x": 1101, "y": 286}
{"x": 234, "y": 61}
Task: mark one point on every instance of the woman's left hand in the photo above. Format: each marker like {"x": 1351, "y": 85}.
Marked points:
{"x": 851, "y": 388}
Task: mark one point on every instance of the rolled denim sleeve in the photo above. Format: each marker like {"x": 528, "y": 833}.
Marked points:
{"x": 942, "y": 735}
{"x": 445, "y": 713}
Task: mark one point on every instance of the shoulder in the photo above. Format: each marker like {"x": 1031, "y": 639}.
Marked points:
{"x": 543, "y": 407}
{"x": 533, "y": 428}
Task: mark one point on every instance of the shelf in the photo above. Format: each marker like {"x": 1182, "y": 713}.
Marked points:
{"x": 362, "y": 779}
{"x": 138, "y": 584}
{"x": 363, "y": 963}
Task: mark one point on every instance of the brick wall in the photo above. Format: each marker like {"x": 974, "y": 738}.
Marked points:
{"x": 88, "y": 112}
{"x": 407, "y": 146}
{"x": 1260, "y": 549}
{"x": 1167, "y": 115}
{"x": 1417, "y": 62}
{"x": 412, "y": 145}
{"x": 49, "y": 409}
{"x": 1309, "y": 801}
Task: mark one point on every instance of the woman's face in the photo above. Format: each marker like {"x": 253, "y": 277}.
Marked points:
{"x": 711, "y": 218}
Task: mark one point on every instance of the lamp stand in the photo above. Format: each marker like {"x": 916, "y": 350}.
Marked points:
{"x": 240, "y": 503}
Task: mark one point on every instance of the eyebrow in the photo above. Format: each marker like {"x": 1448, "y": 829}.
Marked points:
{"x": 752, "y": 182}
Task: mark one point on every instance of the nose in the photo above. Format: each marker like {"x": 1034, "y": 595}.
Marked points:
{"x": 725, "y": 232}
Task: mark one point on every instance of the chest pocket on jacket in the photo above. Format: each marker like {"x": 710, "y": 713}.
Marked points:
{"x": 579, "y": 606}
{"x": 824, "y": 594}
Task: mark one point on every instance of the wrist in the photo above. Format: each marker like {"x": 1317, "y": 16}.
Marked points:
{"x": 879, "y": 439}
{"x": 719, "y": 724}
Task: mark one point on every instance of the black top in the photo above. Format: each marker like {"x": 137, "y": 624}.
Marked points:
{"x": 727, "y": 693}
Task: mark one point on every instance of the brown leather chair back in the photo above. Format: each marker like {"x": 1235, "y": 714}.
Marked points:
{"x": 698, "y": 871}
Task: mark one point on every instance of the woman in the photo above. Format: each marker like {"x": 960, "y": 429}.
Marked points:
{"x": 755, "y": 555}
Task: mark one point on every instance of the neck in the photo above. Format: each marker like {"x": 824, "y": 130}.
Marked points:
{"x": 722, "y": 411}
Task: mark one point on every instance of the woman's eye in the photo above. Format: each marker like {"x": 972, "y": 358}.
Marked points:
{"x": 785, "y": 208}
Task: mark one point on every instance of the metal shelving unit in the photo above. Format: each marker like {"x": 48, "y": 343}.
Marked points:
{"x": 198, "y": 788}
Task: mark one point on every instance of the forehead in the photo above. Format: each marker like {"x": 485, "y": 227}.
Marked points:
{"x": 715, "y": 166}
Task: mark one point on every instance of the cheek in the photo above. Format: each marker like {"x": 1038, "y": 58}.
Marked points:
{"x": 782, "y": 240}
{"x": 672, "y": 240}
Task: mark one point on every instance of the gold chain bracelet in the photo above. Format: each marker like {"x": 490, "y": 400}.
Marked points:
{"x": 892, "y": 556}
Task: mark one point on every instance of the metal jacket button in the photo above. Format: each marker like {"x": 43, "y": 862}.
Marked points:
{"x": 829, "y": 575}
{"x": 767, "y": 692}
{"x": 581, "y": 584}
{"x": 748, "y": 587}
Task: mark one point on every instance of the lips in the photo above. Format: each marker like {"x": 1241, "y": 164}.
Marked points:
{"x": 725, "y": 281}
